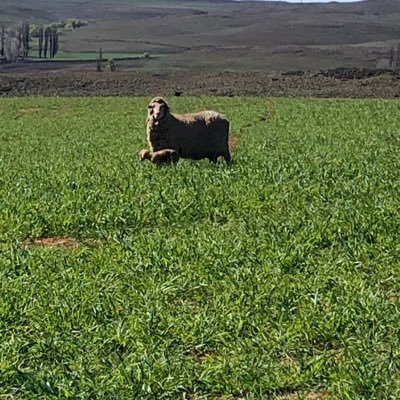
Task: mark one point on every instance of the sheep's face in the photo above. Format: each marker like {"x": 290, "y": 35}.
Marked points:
{"x": 157, "y": 109}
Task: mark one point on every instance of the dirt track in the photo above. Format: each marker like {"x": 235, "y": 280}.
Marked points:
{"x": 334, "y": 83}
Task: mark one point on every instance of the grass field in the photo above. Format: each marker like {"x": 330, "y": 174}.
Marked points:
{"x": 274, "y": 278}
{"x": 82, "y": 55}
{"x": 64, "y": 55}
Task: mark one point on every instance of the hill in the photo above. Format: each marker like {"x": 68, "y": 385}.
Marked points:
{"x": 223, "y": 35}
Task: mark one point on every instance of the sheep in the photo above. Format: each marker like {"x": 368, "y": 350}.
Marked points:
{"x": 166, "y": 156}
{"x": 195, "y": 136}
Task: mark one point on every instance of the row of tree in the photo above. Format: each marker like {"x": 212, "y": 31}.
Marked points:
{"x": 15, "y": 43}
{"x": 48, "y": 41}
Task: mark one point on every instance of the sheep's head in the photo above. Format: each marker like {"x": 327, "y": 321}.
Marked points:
{"x": 157, "y": 109}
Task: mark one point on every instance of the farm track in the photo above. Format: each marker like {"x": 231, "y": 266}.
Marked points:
{"x": 351, "y": 83}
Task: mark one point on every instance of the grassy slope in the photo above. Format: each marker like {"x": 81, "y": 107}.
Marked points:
{"x": 278, "y": 275}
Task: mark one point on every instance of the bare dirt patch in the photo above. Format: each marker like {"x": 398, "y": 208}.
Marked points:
{"x": 316, "y": 395}
{"x": 58, "y": 242}
{"x": 287, "y": 360}
{"x": 232, "y": 143}
{"x": 310, "y": 395}
{"x": 203, "y": 355}
{"x": 30, "y": 110}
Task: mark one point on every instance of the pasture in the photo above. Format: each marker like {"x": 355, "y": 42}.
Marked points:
{"x": 274, "y": 278}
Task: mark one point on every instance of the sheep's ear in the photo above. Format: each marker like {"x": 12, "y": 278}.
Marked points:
{"x": 165, "y": 106}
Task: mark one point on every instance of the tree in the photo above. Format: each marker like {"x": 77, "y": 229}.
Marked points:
{"x": 12, "y": 46}
{"x": 397, "y": 66}
{"x": 54, "y": 35}
{"x": 41, "y": 34}
{"x": 51, "y": 45}
{"x": 47, "y": 33}
{"x": 99, "y": 63}
{"x": 111, "y": 66}
{"x": 19, "y": 35}
{"x": 2, "y": 33}
{"x": 25, "y": 39}
{"x": 392, "y": 60}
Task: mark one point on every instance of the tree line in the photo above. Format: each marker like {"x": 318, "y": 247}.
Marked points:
{"x": 15, "y": 42}
{"x": 48, "y": 41}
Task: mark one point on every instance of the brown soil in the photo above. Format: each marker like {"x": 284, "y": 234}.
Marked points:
{"x": 356, "y": 83}
{"x": 202, "y": 356}
{"x": 314, "y": 395}
{"x": 232, "y": 143}
{"x": 311, "y": 395}
{"x": 58, "y": 241}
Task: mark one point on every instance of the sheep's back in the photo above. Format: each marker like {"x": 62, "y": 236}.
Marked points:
{"x": 201, "y": 134}
{"x": 207, "y": 116}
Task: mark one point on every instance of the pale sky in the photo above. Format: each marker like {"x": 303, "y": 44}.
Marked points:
{"x": 322, "y": 1}
{"x": 317, "y": 1}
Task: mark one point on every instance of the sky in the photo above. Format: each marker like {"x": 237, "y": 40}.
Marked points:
{"x": 318, "y": 1}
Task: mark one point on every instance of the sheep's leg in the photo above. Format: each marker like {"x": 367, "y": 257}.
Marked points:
{"x": 227, "y": 157}
{"x": 213, "y": 158}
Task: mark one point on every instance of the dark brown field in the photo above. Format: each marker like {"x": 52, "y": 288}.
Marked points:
{"x": 330, "y": 83}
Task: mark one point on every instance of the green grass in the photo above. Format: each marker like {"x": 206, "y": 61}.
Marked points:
{"x": 276, "y": 277}
{"x": 87, "y": 56}
{"x": 83, "y": 55}
{"x": 63, "y": 55}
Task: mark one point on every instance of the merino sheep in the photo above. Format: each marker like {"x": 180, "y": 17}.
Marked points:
{"x": 166, "y": 156}
{"x": 197, "y": 135}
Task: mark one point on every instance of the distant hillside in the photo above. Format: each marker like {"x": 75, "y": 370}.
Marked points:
{"x": 224, "y": 35}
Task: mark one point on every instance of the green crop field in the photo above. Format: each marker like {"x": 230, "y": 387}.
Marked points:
{"x": 274, "y": 278}
{"x": 83, "y": 55}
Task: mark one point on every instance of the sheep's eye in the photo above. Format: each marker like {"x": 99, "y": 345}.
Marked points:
{"x": 149, "y": 107}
